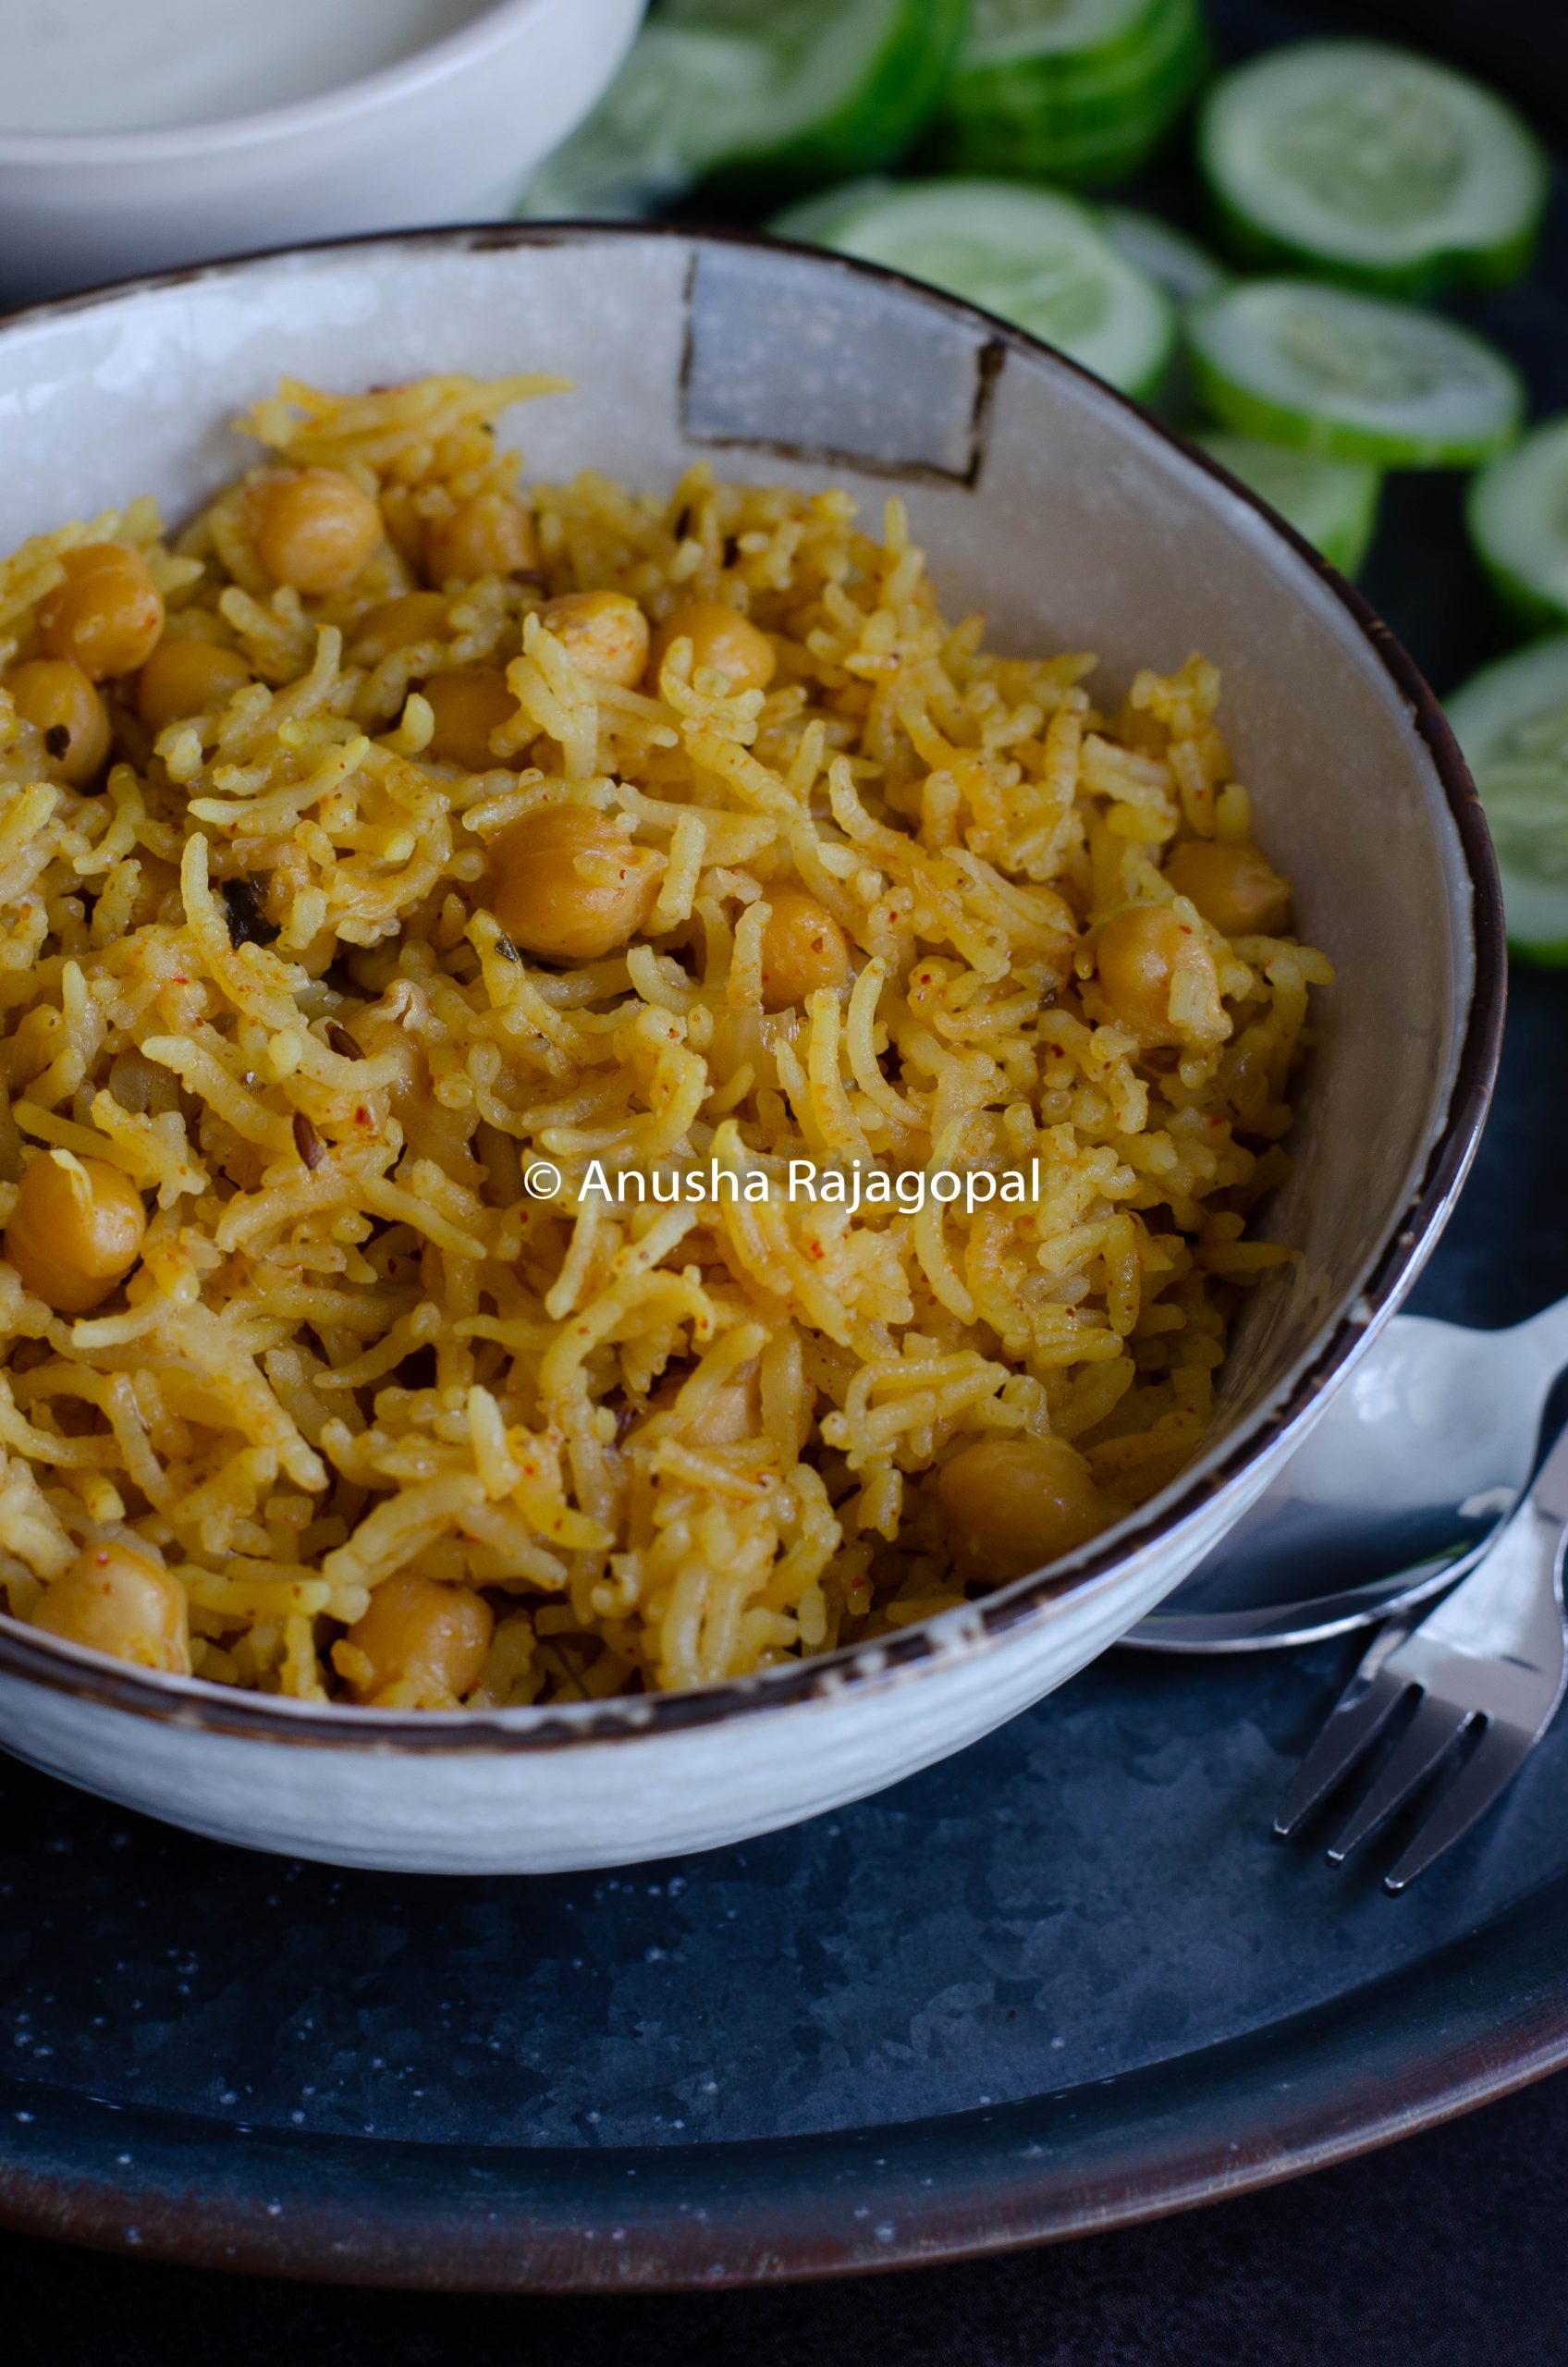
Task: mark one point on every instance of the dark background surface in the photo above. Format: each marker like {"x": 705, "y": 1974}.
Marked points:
{"x": 1447, "y": 2249}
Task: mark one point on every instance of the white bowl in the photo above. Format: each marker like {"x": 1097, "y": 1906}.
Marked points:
{"x": 447, "y": 134}
{"x": 1076, "y": 521}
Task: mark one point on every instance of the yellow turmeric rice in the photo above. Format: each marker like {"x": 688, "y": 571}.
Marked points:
{"x": 594, "y": 1096}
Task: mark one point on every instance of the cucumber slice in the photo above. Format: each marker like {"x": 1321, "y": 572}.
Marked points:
{"x": 799, "y": 89}
{"x": 1082, "y": 91}
{"x": 1362, "y": 160}
{"x": 1352, "y": 376}
{"x": 1517, "y": 512}
{"x": 1186, "y": 271}
{"x": 1332, "y": 503}
{"x": 1511, "y": 722}
{"x": 1033, "y": 257}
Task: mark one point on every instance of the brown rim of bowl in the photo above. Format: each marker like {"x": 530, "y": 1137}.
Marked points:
{"x": 1393, "y": 1265}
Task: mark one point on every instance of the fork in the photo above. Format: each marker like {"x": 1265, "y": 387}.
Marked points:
{"x": 1488, "y": 1666}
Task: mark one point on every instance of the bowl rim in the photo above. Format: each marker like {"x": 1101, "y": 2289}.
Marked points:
{"x": 489, "y": 29}
{"x": 922, "y": 1649}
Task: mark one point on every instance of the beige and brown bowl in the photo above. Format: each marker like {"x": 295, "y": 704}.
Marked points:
{"x": 1073, "y": 521}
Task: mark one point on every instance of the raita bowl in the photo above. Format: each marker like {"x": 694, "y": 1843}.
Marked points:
{"x": 1072, "y": 519}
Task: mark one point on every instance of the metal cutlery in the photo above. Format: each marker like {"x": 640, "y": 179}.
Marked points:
{"x": 1420, "y": 1455}
{"x": 1480, "y": 1677}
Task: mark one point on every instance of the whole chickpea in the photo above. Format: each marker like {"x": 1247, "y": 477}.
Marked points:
{"x": 185, "y": 677}
{"x": 60, "y": 702}
{"x": 1011, "y": 1505}
{"x": 722, "y": 641}
{"x": 1235, "y": 888}
{"x": 803, "y": 949}
{"x": 106, "y": 615}
{"x": 397, "y": 624}
{"x": 425, "y": 1635}
{"x": 490, "y": 534}
{"x": 315, "y": 528}
{"x": 116, "y": 1598}
{"x": 604, "y": 633}
{"x": 76, "y": 1230}
{"x": 569, "y": 885}
{"x": 469, "y": 704}
{"x": 1139, "y": 956}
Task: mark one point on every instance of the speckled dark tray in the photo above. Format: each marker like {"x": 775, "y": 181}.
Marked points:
{"x": 1064, "y": 1981}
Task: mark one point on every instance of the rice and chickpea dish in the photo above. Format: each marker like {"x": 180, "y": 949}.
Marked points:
{"x": 396, "y": 826}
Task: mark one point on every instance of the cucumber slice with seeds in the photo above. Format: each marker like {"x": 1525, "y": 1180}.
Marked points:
{"x": 1517, "y": 512}
{"x": 1034, "y": 258}
{"x": 797, "y": 90}
{"x": 1511, "y": 720}
{"x": 1365, "y": 161}
{"x": 1332, "y": 503}
{"x": 1353, "y": 376}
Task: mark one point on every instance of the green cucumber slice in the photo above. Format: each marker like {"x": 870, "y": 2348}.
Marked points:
{"x": 1517, "y": 512}
{"x": 798, "y": 90}
{"x": 1332, "y": 503}
{"x": 1381, "y": 167}
{"x": 1510, "y": 721}
{"x": 1035, "y": 104}
{"x": 1186, "y": 271}
{"x": 1352, "y": 376}
{"x": 1034, "y": 258}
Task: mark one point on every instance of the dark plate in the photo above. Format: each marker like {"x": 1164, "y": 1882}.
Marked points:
{"x": 1062, "y": 1982}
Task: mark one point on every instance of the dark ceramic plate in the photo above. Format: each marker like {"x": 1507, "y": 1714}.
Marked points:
{"x": 1061, "y": 1982}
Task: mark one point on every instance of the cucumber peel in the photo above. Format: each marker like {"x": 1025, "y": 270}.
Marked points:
{"x": 1332, "y": 503}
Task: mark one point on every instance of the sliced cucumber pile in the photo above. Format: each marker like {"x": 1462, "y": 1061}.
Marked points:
{"x": 786, "y": 91}
{"x": 1379, "y": 166}
{"x": 1517, "y": 512}
{"x": 1036, "y": 259}
{"x": 1183, "y": 268}
{"x": 1511, "y": 720}
{"x": 1352, "y": 376}
{"x": 1332, "y": 503}
{"x": 1074, "y": 90}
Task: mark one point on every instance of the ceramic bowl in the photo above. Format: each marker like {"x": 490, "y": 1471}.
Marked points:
{"x": 449, "y": 133}
{"x": 1074, "y": 520}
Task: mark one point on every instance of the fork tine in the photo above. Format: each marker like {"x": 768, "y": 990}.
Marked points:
{"x": 1432, "y": 1731}
{"x": 1489, "y": 1771}
{"x": 1354, "y": 1723}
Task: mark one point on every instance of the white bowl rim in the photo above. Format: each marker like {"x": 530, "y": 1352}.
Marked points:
{"x": 488, "y": 30}
{"x": 923, "y": 1648}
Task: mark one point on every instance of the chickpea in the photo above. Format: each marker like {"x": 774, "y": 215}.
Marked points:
{"x": 58, "y": 700}
{"x": 185, "y": 677}
{"x": 76, "y": 1230}
{"x": 108, "y": 614}
{"x": 1137, "y": 957}
{"x": 397, "y": 624}
{"x": 803, "y": 949}
{"x": 118, "y": 1599}
{"x": 491, "y": 534}
{"x": 1236, "y": 888}
{"x": 1012, "y": 1504}
{"x": 425, "y": 1634}
{"x": 469, "y": 704}
{"x": 604, "y": 633}
{"x": 569, "y": 885}
{"x": 315, "y": 528}
{"x": 721, "y": 638}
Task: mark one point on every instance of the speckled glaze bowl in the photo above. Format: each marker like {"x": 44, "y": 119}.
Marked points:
{"x": 1074, "y": 520}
